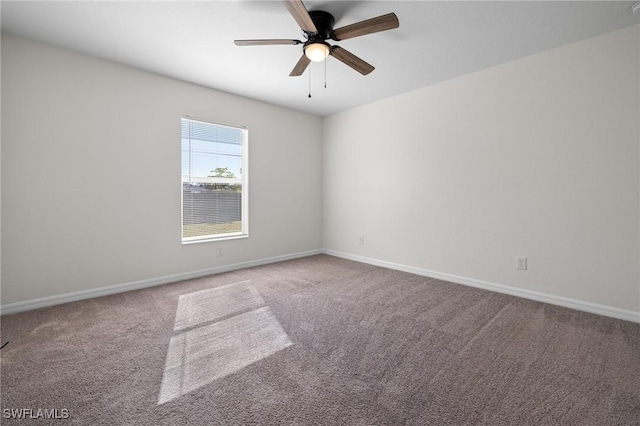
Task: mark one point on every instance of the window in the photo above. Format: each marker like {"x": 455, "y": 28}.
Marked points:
{"x": 214, "y": 181}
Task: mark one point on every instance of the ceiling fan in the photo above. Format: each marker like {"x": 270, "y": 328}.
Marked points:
{"x": 317, "y": 28}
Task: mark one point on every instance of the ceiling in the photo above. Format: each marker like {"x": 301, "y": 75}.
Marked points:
{"x": 193, "y": 41}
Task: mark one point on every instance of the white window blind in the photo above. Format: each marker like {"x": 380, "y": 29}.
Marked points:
{"x": 214, "y": 181}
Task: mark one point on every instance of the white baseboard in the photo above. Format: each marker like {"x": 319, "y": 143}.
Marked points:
{"x": 580, "y": 305}
{"x": 594, "y": 308}
{"x": 27, "y": 305}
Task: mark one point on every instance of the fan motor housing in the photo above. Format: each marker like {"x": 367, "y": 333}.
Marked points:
{"x": 324, "y": 22}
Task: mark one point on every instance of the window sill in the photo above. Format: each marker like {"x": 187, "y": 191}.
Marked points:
{"x": 214, "y": 239}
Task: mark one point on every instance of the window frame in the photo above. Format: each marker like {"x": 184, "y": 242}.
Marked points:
{"x": 244, "y": 232}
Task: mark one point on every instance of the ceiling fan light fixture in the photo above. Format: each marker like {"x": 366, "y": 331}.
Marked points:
{"x": 317, "y": 52}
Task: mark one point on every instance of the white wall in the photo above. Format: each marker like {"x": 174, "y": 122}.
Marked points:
{"x": 91, "y": 174}
{"x": 537, "y": 157}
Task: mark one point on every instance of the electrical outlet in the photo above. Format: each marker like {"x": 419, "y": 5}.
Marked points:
{"x": 220, "y": 252}
{"x": 521, "y": 263}
{"x": 361, "y": 240}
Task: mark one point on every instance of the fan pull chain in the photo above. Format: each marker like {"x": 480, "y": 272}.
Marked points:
{"x": 309, "y": 81}
{"x": 325, "y": 73}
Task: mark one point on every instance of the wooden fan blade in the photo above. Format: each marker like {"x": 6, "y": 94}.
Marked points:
{"x": 299, "y": 12}
{"x": 302, "y": 65}
{"x": 351, "y": 60}
{"x": 373, "y": 25}
{"x": 266, "y": 42}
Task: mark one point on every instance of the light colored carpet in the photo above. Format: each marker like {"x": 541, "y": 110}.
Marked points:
{"x": 320, "y": 340}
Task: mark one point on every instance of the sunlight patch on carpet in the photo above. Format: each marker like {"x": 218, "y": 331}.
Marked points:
{"x": 198, "y": 356}
{"x": 208, "y": 305}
